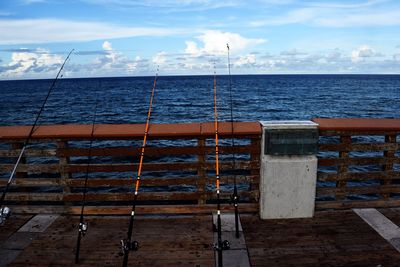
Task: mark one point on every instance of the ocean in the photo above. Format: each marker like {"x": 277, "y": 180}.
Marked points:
{"x": 190, "y": 98}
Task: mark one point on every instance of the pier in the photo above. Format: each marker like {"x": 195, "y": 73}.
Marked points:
{"x": 355, "y": 212}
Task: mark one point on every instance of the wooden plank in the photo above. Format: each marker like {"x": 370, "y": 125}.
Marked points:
{"x": 126, "y": 131}
{"x": 382, "y": 225}
{"x": 129, "y": 196}
{"x": 183, "y": 241}
{"x": 358, "y": 124}
{"x": 347, "y": 204}
{"x": 145, "y": 181}
{"x": 32, "y": 182}
{"x": 380, "y": 189}
{"x": 359, "y": 176}
{"x": 35, "y": 209}
{"x": 201, "y": 172}
{"x": 141, "y": 196}
{"x": 130, "y": 181}
{"x": 35, "y": 168}
{"x": 162, "y": 209}
{"x": 152, "y": 151}
{"x": 357, "y": 161}
{"x": 389, "y": 153}
{"x": 359, "y": 147}
{"x": 176, "y": 166}
{"x": 28, "y": 153}
{"x": 27, "y": 196}
{"x": 334, "y": 238}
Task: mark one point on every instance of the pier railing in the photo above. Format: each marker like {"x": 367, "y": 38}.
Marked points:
{"x": 178, "y": 174}
{"x": 358, "y": 166}
{"x": 359, "y": 163}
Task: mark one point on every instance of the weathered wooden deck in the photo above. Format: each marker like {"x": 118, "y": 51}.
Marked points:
{"x": 334, "y": 238}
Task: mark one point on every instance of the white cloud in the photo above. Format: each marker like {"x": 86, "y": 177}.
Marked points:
{"x": 325, "y": 15}
{"x": 38, "y": 62}
{"x": 346, "y": 5}
{"x": 159, "y": 58}
{"x": 356, "y": 19}
{"x": 293, "y": 52}
{"x": 107, "y": 46}
{"x": 29, "y": 31}
{"x": 247, "y": 60}
{"x": 167, "y": 5}
{"x": 301, "y": 15}
{"x": 113, "y": 60}
{"x": 363, "y": 52}
{"x": 214, "y": 43}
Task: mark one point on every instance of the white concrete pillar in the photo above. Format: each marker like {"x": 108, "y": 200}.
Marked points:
{"x": 288, "y": 169}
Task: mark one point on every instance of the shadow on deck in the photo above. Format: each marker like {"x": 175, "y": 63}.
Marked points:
{"x": 339, "y": 238}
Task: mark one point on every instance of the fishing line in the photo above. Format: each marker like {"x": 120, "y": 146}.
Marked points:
{"x": 5, "y": 211}
{"x": 220, "y": 245}
{"x": 83, "y": 226}
{"x": 234, "y": 197}
{"x": 127, "y": 244}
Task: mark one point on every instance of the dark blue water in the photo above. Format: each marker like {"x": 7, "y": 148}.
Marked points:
{"x": 190, "y": 98}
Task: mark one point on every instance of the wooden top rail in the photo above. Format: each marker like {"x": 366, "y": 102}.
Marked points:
{"x": 121, "y": 131}
{"x": 358, "y": 125}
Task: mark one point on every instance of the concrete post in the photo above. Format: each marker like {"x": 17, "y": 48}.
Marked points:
{"x": 288, "y": 169}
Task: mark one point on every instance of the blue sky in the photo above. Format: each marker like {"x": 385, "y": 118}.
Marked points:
{"x": 132, "y": 38}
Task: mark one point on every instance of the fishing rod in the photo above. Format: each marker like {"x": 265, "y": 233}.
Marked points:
{"x": 5, "y": 211}
{"x": 127, "y": 244}
{"x": 83, "y": 226}
{"x": 220, "y": 245}
{"x": 234, "y": 196}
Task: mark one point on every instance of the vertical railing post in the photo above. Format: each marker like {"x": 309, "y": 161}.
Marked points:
{"x": 255, "y": 172}
{"x": 343, "y": 167}
{"x": 201, "y": 173}
{"x": 64, "y": 173}
{"x": 389, "y": 155}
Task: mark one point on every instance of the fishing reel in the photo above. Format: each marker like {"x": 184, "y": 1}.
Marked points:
{"x": 4, "y": 215}
{"x": 83, "y": 226}
{"x": 225, "y": 245}
{"x": 127, "y": 246}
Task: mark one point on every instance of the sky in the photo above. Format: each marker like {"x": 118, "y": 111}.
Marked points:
{"x": 189, "y": 37}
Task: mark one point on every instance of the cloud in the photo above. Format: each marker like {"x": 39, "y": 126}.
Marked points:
{"x": 292, "y": 53}
{"x": 346, "y": 5}
{"x": 214, "y": 43}
{"x": 301, "y": 15}
{"x": 247, "y": 60}
{"x": 159, "y": 58}
{"x": 25, "y": 62}
{"x": 329, "y": 15}
{"x": 91, "y": 53}
{"x": 40, "y": 63}
{"x": 166, "y": 5}
{"x": 364, "y": 52}
{"x": 31, "y": 31}
{"x": 112, "y": 60}
{"x": 373, "y": 18}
